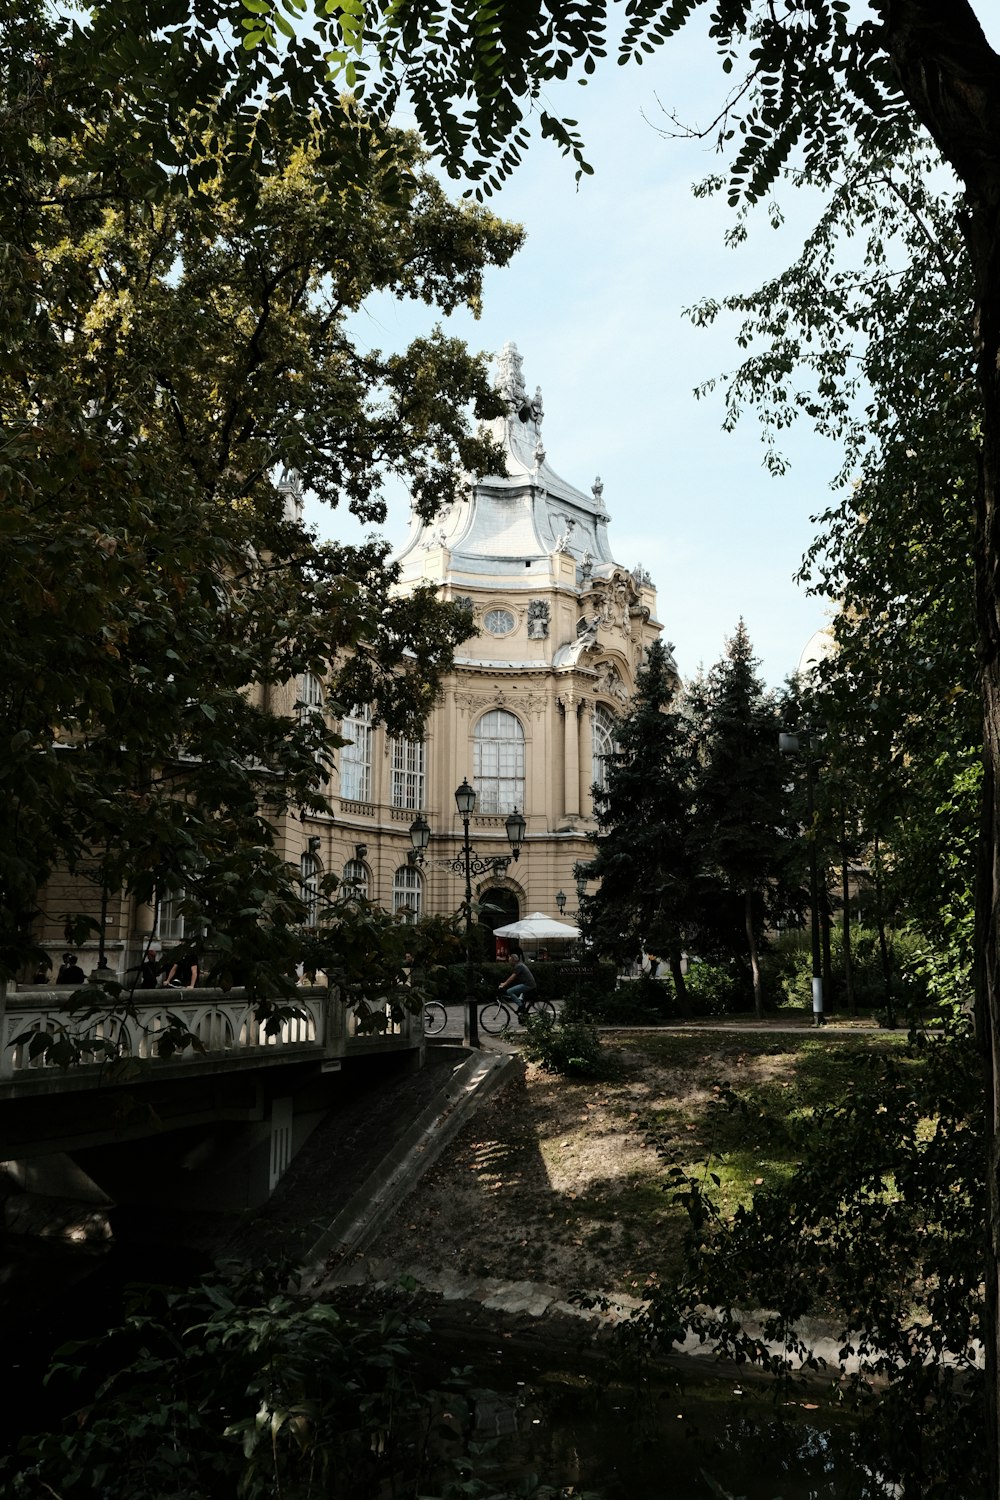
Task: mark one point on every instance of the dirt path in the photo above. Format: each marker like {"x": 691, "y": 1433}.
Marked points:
{"x": 552, "y": 1181}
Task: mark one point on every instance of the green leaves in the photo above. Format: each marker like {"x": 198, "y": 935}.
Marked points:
{"x": 185, "y": 247}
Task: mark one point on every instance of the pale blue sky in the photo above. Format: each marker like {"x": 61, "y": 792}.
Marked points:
{"x": 594, "y": 303}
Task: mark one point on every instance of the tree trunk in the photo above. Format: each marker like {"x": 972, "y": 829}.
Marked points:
{"x": 677, "y": 975}
{"x": 758, "y": 993}
{"x": 951, "y": 77}
{"x": 845, "y": 895}
{"x": 883, "y": 941}
{"x": 824, "y": 917}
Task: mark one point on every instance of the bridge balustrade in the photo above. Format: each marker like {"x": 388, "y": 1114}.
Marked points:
{"x": 224, "y": 1023}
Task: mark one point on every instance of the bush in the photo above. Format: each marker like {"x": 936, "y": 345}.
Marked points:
{"x": 713, "y": 989}
{"x": 239, "y": 1386}
{"x": 555, "y": 980}
{"x": 790, "y": 968}
{"x": 570, "y": 1047}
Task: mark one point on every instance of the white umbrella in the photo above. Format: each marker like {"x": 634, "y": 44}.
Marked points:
{"x": 537, "y": 925}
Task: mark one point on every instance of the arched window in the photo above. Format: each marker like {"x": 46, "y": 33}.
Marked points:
{"x": 498, "y": 763}
{"x": 355, "y": 879}
{"x": 407, "y": 892}
{"x": 309, "y": 883}
{"x": 310, "y": 699}
{"x": 408, "y": 773}
{"x": 356, "y": 756}
{"x": 603, "y": 743}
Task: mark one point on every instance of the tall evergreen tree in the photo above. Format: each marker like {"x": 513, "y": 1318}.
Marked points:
{"x": 645, "y": 859}
{"x": 741, "y": 796}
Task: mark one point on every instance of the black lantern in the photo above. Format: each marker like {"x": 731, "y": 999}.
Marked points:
{"x": 465, "y": 799}
{"x": 561, "y": 901}
{"x": 515, "y": 826}
{"x": 420, "y": 837}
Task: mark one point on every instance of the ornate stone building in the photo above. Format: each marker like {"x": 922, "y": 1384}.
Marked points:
{"x": 528, "y": 712}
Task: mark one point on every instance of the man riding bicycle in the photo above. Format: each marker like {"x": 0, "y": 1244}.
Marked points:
{"x": 520, "y": 985}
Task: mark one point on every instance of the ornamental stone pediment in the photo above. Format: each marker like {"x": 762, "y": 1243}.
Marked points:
{"x": 517, "y": 703}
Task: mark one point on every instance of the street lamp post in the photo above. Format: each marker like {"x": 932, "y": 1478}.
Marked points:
{"x": 561, "y": 901}
{"x": 793, "y": 744}
{"x": 469, "y": 863}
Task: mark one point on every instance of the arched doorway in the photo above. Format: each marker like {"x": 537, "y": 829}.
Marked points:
{"x": 498, "y": 906}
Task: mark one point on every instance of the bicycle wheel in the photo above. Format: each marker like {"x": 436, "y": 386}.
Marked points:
{"x": 435, "y": 1018}
{"x": 543, "y": 1008}
{"x": 494, "y": 1017}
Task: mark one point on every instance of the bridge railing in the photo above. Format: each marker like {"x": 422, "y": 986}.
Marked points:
{"x": 223, "y": 1021}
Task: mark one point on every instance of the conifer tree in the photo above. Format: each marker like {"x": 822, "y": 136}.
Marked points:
{"x": 645, "y": 860}
{"x": 741, "y": 797}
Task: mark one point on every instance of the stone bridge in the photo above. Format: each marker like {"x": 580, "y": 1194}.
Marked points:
{"x": 214, "y": 1125}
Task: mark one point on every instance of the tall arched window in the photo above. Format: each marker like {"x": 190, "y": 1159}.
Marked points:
{"x": 407, "y": 892}
{"x": 309, "y": 884}
{"x": 408, "y": 773}
{"x": 603, "y": 743}
{"x": 498, "y": 763}
{"x": 310, "y": 699}
{"x": 356, "y": 756}
{"x": 355, "y": 880}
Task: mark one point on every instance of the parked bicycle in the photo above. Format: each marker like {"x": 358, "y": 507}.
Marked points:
{"x": 435, "y": 1018}
{"x": 496, "y": 1015}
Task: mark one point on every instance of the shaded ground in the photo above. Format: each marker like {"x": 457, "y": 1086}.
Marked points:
{"x": 567, "y": 1182}
{"x": 336, "y": 1159}
{"x": 554, "y": 1180}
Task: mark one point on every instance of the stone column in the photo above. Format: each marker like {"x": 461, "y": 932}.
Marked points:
{"x": 571, "y": 755}
{"x": 586, "y": 758}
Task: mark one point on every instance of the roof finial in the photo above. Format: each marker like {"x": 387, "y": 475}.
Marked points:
{"x": 510, "y": 377}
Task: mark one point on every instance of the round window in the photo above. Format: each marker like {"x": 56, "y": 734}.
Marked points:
{"x": 499, "y": 621}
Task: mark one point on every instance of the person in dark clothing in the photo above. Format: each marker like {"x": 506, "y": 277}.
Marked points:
{"x": 70, "y": 971}
{"x": 183, "y": 975}
{"x": 520, "y": 985}
{"x": 148, "y": 970}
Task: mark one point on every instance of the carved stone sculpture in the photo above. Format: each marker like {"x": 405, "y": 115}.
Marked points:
{"x": 538, "y": 620}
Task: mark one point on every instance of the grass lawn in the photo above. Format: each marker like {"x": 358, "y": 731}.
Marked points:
{"x": 745, "y": 1115}
{"x": 566, "y": 1181}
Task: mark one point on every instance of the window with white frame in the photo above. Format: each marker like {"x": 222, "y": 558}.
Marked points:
{"x": 603, "y": 743}
{"x": 498, "y": 763}
{"x": 169, "y": 917}
{"x": 356, "y": 755}
{"x": 355, "y": 880}
{"x": 310, "y": 696}
{"x": 408, "y": 892}
{"x": 309, "y": 873}
{"x": 408, "y": 773}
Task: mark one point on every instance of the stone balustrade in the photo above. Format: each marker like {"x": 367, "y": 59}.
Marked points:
{"x": 224, "y": 1022}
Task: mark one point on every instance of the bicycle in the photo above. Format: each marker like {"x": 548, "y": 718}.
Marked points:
{"x": 435, "y": 1017}
{"x": 495, "y": 1017}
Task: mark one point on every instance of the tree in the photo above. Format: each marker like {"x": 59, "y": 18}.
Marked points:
{"x": 741, "y": 801}
{"x": 646, "y": 858}
{"x": 173, "y": 356}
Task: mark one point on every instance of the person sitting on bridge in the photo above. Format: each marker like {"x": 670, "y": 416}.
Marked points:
{"x": 520, "y": 985}
{"x": 70, "y": 971}
{"x": 183, "y": 975}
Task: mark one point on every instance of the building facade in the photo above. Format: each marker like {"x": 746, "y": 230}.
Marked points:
{"x": 528, "y": 713}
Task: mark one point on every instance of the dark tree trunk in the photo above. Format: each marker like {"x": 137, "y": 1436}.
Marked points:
{"x": 824, "y": 917}
{"x": 677, "y": 975}
{"x": 883, "y": 941}
{"x": 845, "y": 895}
{"x": 951, "y": 76}
{"x": 758, "y": 992}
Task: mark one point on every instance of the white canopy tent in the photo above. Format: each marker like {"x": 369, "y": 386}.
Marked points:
{"x": 539, "y": 928}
